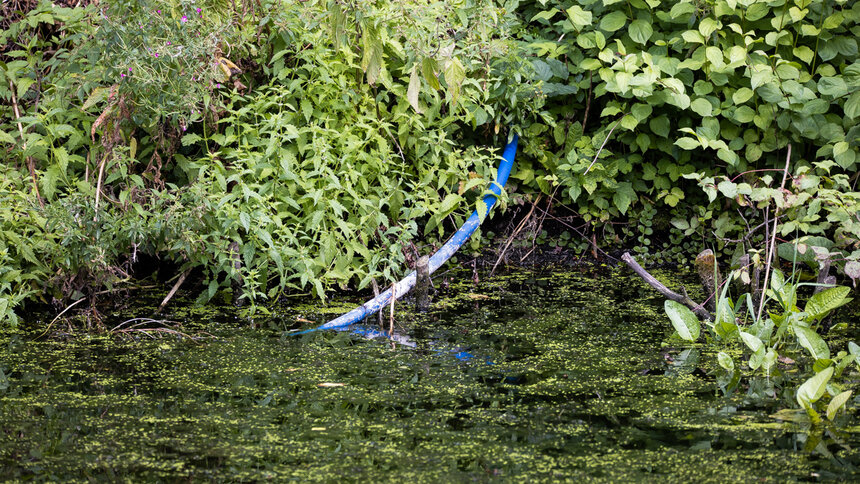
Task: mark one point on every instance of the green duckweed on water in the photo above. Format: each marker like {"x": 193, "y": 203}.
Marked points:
{"x": 560, "y": 377}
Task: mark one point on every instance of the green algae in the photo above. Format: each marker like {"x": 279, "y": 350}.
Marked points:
{"x": 570, "y": 380}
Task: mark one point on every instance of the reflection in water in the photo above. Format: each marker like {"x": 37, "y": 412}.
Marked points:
{"x": 579, "y": 386}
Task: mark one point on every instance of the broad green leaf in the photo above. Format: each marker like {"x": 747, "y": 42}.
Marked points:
{"x": 837, "y": 403}
{"x": 641, "y": 111}
{"x": 832, "y": 86}
{"x": 624, "y": 195}
{"x": 821, "y": 304}
{"x": 813, "y": 343}
{"x": 545, "y": 15}
{"x": 714, "y": 56}
{"x": 640, "y": 31}
{"x": 702, "y": 107}
{"x": 707, "y": 26}
{"x": 744, "y": 114}
{"x": 580, "y": 18}
{"x": 804, "y": 53}
{"x": 245, "y": 220}
{"x": 371, "y": 61}
{"x": 449, "y": 203}
{"x": 98, "y": 95}
{"x": 629, "y": 122}
{"x": 769, "y": 359}
{"x": 742, "y": 95}
{"x": 688, "y": 143}
{"x": 753, "y": 342}
{"x": 613, "y": 21}
{"x": 812, "y": 389}
{"x": 852, "y": 106}
{"x": 660, "y": 126}
{"x": 725, "y": 361}
{"x": 683, "y": 320}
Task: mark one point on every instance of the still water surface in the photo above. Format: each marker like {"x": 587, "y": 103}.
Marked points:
{"x": 544, "y": 377}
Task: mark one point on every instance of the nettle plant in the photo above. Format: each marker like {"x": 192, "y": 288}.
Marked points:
{"x": 318, "y": 179}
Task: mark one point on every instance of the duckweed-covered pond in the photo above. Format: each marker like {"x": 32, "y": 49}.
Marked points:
{"x": 544, "y": 377}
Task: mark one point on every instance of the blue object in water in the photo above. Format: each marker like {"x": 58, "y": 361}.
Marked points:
{"x": 440, "y": 257}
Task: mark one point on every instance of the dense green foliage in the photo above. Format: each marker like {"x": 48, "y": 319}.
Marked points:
{"x": 278, "y": 147}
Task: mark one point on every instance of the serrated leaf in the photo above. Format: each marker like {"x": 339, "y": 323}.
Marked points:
{"x": 413, "y": 90}
{"x": 449, "y": 203}
{"x": 6, "y": 137}
{"x": 454, "y": 76}
{"x": 683, "y": 320}
{"x": 428, "y": 70}
{"x": 98, "y": 95}
{"x": 190, "y": 139}
{"x": 482, "y": 209}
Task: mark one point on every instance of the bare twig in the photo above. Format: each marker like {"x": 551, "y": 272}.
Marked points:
{"x": 516, "y": 232}
{"x": 604, "y": 143}
{"x": 771, "y": 248}
{"x": 665, "y": 291}
{"x": 99, "y": 185}
{"x": 376, "y": 294}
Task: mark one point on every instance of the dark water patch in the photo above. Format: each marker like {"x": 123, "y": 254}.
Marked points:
{"x": 569, "y": 380}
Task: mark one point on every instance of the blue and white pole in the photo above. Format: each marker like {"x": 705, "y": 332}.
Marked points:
{"x": 436, "y": 260}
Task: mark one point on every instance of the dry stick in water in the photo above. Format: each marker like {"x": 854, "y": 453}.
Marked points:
{"x": 391, "y": 315}
{"x": 771, "y": 245}
{"x": 173, "y": 291}
{"x": 665, "y": 291}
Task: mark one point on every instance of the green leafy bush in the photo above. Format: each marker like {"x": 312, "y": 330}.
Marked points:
{"x": 666, "y": 89}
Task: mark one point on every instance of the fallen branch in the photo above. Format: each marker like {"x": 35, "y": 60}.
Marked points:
{"x": 172, "y": 291}
{"x": 684, "y": 299}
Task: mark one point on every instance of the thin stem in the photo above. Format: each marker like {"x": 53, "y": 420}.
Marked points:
{"x": 772, "y": 243}
{"x": 604, "y": 143}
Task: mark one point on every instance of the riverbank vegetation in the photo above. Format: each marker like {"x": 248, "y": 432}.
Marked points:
{"x": 274, "y": 148}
